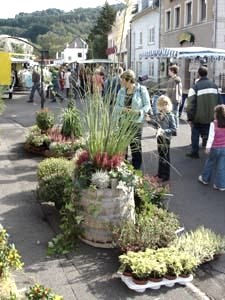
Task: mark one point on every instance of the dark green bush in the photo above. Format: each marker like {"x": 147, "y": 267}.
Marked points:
{"x": 71, "y": 123}
{"x": 54, "y": 176}
{"x": 45, "y": 119}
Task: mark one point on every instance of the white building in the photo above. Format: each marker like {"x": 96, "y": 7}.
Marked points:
{"x": 74, "y": 52}
{"x": 144, "y": 38}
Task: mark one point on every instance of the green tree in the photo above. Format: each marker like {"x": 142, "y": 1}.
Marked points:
{"x": 97, "y": 39}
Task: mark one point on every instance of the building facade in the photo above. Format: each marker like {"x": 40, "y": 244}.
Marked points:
{"x": 74, "y": 52}
{"x": 144, "y": 38}
{"x": 186, "y": 23}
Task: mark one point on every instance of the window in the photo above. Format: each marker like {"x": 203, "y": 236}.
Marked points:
{"x": 188, "y": 13}
{"x": 151, "y": 35}
{"x": 69, "y": 58}
{"x": 140, "y": 68}
{"x": 177, "y": 17}
{"x": 168, "y": 20}
{"x": 144, "y": 4}
{"x": 151, "y": 68}
{"x": 140, "y": 38}
{"x": 79, "y": 54}
{"x": 202, "y": 10}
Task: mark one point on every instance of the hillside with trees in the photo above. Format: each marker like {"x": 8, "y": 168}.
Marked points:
{"x": 52, "y": 29}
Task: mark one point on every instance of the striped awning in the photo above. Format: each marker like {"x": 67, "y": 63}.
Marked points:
{"x": 185, "y": 52}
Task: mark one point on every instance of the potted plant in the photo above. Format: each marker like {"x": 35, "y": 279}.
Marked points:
{"x": 188, "y": 264}
{"x": 36, "y": 141}
{"x": 107, "y": 138}
{"x": 38, "y": 292}
{"x": 71, "y": 122}
{"x": 10, "y": 259}
{"x": 141, "y": 268}
{"x": 44, "y": 119}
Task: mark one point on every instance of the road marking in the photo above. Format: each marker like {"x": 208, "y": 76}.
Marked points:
{"x": 195, "y": 290}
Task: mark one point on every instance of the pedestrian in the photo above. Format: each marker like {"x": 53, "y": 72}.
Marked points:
{"x": 215, "y": 147}
{"x": 134, "y": 98}
{"x": 36, "y": 78}
{"x": 202, "y": 98}
{"x": 67, "y": 85}
{"x": 112, "y": 85}
{"x": 165, "y": 124}
{"x": 174, "y": 90}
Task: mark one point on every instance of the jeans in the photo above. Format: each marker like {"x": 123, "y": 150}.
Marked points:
{"x": 154, "y": 104}
{"x": 184, "y": 97}
{"x": 198, "y": 129}
{"x": 163, "y": 146}
{"x": 176, "y": 113}
{"x": 136, "y": 149}
{"x": 215, "y": 161}
{"x": 36, "y": 86}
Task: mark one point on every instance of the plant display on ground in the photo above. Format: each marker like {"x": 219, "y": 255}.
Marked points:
{"x": 71, "y": 122}
{"x": 38, "y": 292}
{"x": 154, "y": 230}
{"x": 108, "y": 132}
{"x": 55, "y": 141}
{"x": 10, "y": 259}
{"x": 54, "y": 176}
{"x": 203, "y": 243}
{"x": 44, "y": 119}
{"x": 36, "y": 138}
{"x": 149, "y": 190}
{"x": 158, "y": 263}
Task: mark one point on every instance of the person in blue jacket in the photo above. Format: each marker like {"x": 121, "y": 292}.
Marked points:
{"x": 132, "y": 97}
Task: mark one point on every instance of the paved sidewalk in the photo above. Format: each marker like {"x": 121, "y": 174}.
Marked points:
{"x": 90, "y": 273}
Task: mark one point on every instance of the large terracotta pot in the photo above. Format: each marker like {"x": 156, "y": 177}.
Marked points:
{"x": 102, "y": 208}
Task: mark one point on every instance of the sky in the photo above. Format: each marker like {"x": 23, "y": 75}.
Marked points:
{"x": 10, "y": 10}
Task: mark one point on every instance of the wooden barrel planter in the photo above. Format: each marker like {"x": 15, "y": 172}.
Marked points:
{"x": 102, "y": 208}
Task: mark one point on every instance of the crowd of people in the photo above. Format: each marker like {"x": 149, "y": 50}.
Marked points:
{"x": 205, "y": 113}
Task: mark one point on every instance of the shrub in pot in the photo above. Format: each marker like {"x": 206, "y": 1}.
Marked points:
{"x": 35, "y": 137}
{"x": 154, "y": 230}
{"x": 44, "y": 119}
{"x": 71, "y": 122}
{"x": 202, "y": 243}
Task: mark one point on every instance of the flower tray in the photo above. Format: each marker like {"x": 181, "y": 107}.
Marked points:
{"x": 154, "y": 285}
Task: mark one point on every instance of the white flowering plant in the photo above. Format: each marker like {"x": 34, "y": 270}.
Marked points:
{"x": 125, "y": 175}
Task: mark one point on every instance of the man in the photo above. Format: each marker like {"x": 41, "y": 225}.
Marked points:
{"x": 36, "y": 85}
{"x": 202, "y": 98}
{"x": 174, "y": 90}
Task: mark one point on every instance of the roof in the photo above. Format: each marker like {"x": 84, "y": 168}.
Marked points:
{"x": 96, "y": 61}
{"x": 185, "y": 52}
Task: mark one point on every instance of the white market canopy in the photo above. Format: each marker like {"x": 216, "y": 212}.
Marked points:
{"x": 185, "y": 52}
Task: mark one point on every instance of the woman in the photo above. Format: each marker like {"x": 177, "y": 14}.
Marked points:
{"x": 134, "y": 98}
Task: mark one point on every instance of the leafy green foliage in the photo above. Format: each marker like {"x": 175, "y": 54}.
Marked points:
{"x": 71, "y": 123}
{"x": 10, "y": 259}
{"x": 203, "y": 243}
{"x": 38, "y": 292}
{"x": 36, "y": 138}
{"x": 98, "y": 36}
{"x": 44, "y": 119}
{"x": 54, "y": 176}
{"x": 51, "y": 29}
{"x": 154, "y": 230}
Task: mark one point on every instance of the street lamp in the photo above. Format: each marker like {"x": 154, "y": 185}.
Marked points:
{"x": 44, "y": 54}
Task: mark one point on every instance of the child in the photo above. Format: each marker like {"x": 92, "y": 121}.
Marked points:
{"x": 165, "y": 124}
{"x": 216, "y": 148}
